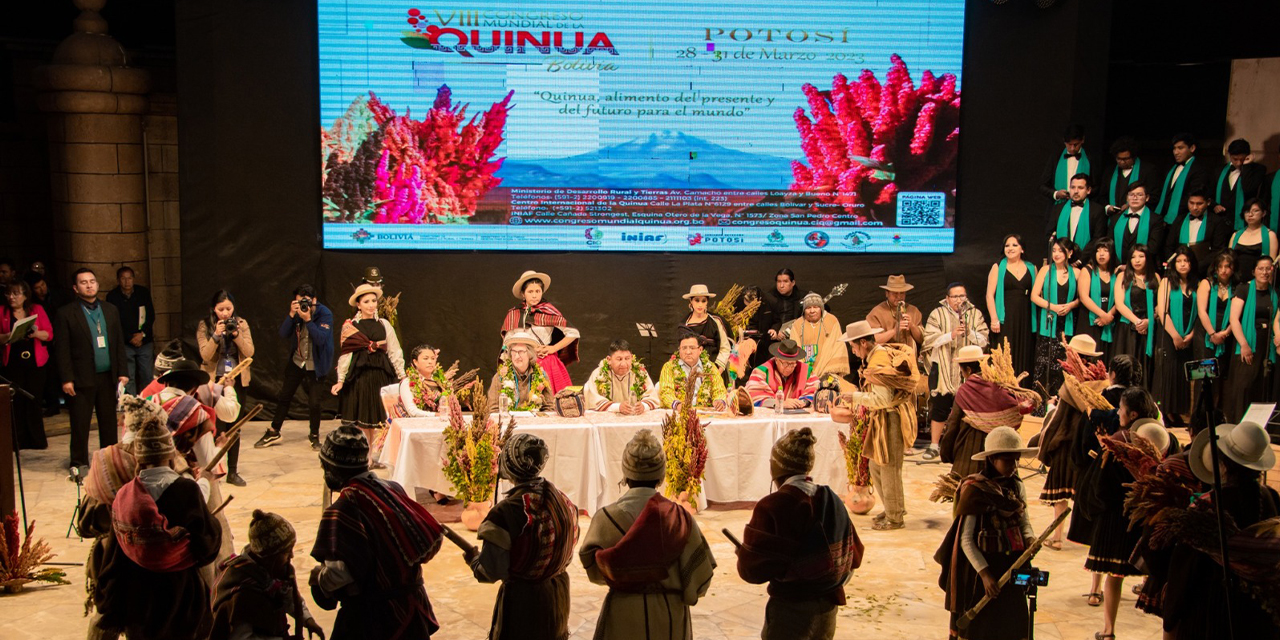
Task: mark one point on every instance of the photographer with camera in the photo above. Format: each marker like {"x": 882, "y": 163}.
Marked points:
{"x": 309, "y": 330}
{"x": 221, "y": 349}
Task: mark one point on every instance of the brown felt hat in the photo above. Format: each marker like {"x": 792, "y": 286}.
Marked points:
{"x": 897, "y": 283}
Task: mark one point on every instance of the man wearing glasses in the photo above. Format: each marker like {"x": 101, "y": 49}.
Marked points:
{"x": 955, "y": 323}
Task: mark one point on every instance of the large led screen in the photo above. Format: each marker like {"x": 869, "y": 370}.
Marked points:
{"x": 640, "y": 125}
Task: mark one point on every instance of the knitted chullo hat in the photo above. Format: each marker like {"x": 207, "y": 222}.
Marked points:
{"x": 345, "y": 448}
{"x": 109, "y": 469}
{"x": 793, "y": 454}
{"x": 643, "y": 458}
{"x": 270, "y": 534}
{"x": 140, "y": 411}
{"x": 811, "y": 300}
{"x": 153, "y": 444}
{"x": 523, "y": 457}
{"x": 171, "y": 353}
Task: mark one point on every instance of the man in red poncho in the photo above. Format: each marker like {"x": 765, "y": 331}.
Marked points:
{"x": 649, "y": 551}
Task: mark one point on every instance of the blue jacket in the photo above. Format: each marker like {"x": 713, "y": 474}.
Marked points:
{"x": 321, "y": 331}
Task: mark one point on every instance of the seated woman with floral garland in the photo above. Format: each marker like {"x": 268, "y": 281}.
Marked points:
{"x": 620, "y": 384}
{"x": 425, "y": 390}
{"x": 519, "y": 378}
{"x": 709, "y": 391}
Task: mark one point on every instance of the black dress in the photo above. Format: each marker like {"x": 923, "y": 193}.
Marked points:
{"x": 1113, "y": 541}
{"x": 361, "y": 396}
{"x": 1169, "y": 385}
{"x": 1084, "y": 448}
{"x": 28, "y": 416}
{"x": 1017, "y": 321}
{"x": 1251, "y": 382}
{"x": 1126, "y": 339}
{"x": 1085, "y": 326}
{"x": 1049, "y": 350}
{"x": 1058, "y": 455}
{"x": 1247, "y": 256}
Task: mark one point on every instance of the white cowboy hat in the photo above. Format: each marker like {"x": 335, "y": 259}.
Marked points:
{"x": 1003, "y": 440}
{"x": 1153, "y": 432}
{"x": 517, "y": 289}
{"x": 520, "y": 336}
{"x": 970, "y": 353}
{"x": 363, "y": 289}
{"x": 698, "y": 290}
{"x": 897, "y": 283}
{"x": 1084, "y": 345}
{"x": 859, "y": 329}
{"x": 1246, "y": 443}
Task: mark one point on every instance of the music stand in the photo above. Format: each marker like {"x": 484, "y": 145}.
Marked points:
{"x": 647, "y": 330}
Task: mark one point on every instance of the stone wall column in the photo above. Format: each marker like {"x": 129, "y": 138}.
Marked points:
{"x": 95, "y": 104}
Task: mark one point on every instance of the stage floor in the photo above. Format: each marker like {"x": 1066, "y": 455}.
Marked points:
{"x": 894, "y": 595}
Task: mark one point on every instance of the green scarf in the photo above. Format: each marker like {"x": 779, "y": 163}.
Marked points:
{"x": 1060, "y": 178}
{"x": 1218, "y": 195}
{"x": 1184, "y": 235}
{"x": 1266, "y": 240}
{"x": 1122, "y": 225}
{"x": 1219, "y": 322}
{"x": 1184, "y": 326}
{"x": 1150, "y": 312}
{"x": 1169, "y": 207}
{"x": 1117, "y": 199}
{"x": 1048, "y": 319}
{"x": 1082, "y": 225}
{"x": 1251, "y": 327}
{"x": 1095, "y": 294}
{"x": 1275, "y": 201}
{"x": 1004, "y": 268}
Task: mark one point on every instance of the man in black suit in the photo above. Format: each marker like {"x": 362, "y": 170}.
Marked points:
{"x": 91, "y": 360}
{"x": 1270, "y": 194}
{"x": 1185, "y": 176}
{"x": 1077, "y": 218}
{"x": 1205, "y": 233}
{"x": 1136, "y": 225}
{"x": 1128, "y": 169}
{"x": 1238, "y": 182}
{"x": 1072, "y": 159}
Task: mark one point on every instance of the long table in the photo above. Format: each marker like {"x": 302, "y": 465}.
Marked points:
{"x": 586, "y": 453}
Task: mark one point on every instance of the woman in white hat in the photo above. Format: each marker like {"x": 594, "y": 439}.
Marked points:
{"x": 557, "y": 340}
{"x": 711, "y": 327}
{"x": 369, "y": 359}
{"x": 990, "y": 532}
{"x": 1195, "y": 601}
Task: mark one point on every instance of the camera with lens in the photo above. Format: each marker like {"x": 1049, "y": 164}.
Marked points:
{"x": 230, "y": 325}
{"x": 304, "y": 304}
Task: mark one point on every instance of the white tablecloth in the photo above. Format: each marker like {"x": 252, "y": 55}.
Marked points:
{"x": 586, "y": 453}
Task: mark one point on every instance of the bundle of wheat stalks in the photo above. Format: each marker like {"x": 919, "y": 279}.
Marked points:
{"x": 999, "y": 369}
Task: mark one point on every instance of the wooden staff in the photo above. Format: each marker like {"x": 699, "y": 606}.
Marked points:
{"x": 732, "y": 538}
{"x": 467, "y": 548}
{"x": 963, "y": 622}
{"x": 233, "y": 434}
{"x": 235, "y": 371}
{"x": 222, "y": 506}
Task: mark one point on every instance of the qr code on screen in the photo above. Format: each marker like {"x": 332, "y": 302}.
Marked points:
{"x": 922, "y": 209}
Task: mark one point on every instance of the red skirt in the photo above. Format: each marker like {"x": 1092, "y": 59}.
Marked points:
{"x": 557, "y": 373}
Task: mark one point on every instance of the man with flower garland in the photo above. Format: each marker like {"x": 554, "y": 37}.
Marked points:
{"x": 621, "y": 384}
{"x": 519, "y": 378}
{"x": 691, "y": 358}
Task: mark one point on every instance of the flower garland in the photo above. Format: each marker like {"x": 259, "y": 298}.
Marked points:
{"x": 423, "y": 395}
{"x": 604, "y": 382}
{"x": 678, "y": 376}
{"x": 537, "y": 382}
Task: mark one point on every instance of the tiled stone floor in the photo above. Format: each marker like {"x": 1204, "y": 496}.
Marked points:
{"x": 893, "y": 596}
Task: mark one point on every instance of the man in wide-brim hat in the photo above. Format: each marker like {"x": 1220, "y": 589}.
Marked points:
{"x": 900, "y": 320}
{"x": 786, "y": 373}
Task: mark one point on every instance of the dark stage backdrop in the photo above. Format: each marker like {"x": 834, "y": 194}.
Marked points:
{"x": 249, "y": 135}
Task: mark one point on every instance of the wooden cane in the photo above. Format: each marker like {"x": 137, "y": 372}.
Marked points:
{"x": 233, "y": 434}
{"x": 963, "y": 621}
{"x": 235, "y": 371}
{"x": 729, "y": 534}
{"x": 461, "y": 542}
{"x": 222, "y": 506}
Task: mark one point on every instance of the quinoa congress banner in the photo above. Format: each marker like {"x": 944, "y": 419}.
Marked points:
{"x": 824, "y": 126}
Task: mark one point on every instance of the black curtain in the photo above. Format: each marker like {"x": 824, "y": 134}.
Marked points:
{"x": 249, "y": 139}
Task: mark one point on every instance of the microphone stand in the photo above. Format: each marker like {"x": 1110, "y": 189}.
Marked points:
{"x": 17, "y": 457}
{"x": 1218, "y": 505}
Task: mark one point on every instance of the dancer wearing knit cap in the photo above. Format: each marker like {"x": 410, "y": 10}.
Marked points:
{"x": 649, "y": 551}
{"x": 164, "y": 534}
{"x": 371, "y": 545}
{"x": 528, "y": 541}
{"x": 257, "y": 590}
{"x": 799, "y": 540}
